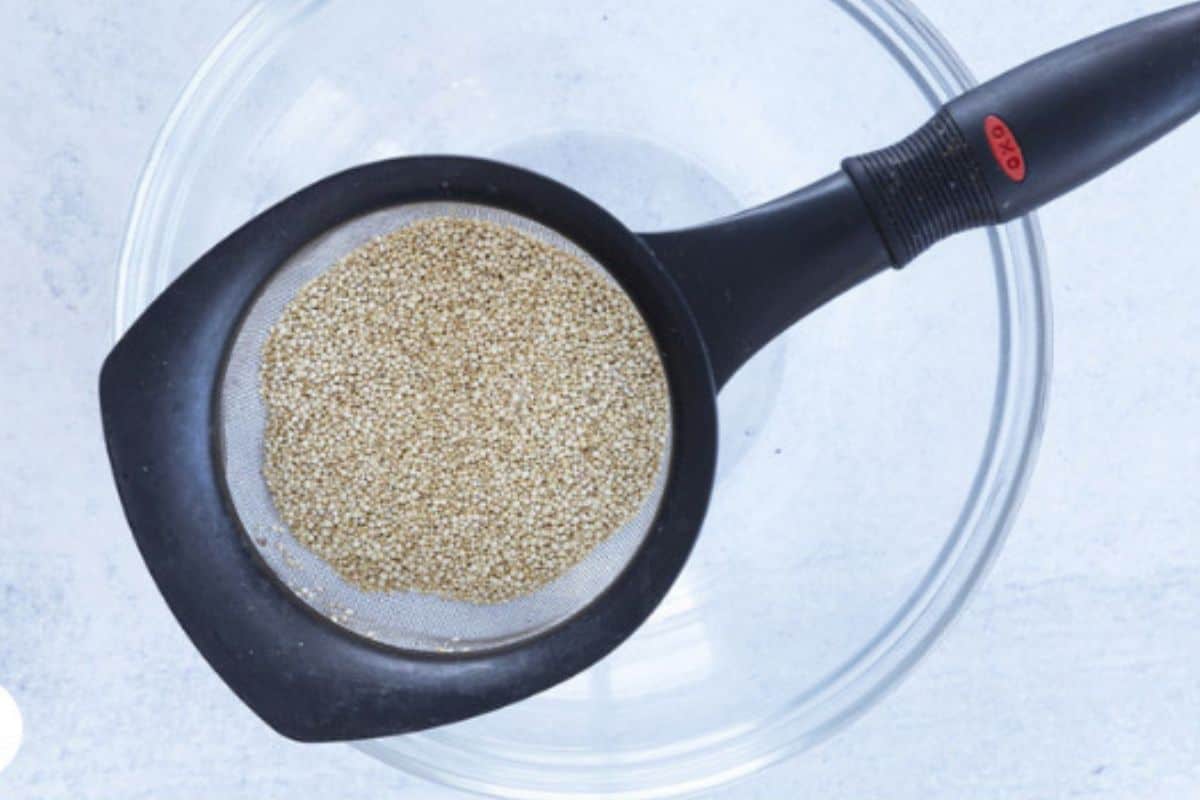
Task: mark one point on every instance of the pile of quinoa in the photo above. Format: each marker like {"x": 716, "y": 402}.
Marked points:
{"x": 458, "y": 408}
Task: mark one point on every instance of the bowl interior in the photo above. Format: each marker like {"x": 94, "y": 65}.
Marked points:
{"x": 871, "y": 459}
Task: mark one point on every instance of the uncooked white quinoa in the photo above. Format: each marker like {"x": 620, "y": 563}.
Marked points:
{"x": 460, "y": 409}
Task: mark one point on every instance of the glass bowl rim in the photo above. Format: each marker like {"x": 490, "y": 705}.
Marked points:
{"x": 1018, "y": 418}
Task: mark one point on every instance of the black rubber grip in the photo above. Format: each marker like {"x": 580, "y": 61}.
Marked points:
{"x": 927, "y": 187}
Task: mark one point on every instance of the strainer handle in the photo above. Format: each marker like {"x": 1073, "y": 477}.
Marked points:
{"x": 1010, "y": 146}
{"x": 997, "y": 152}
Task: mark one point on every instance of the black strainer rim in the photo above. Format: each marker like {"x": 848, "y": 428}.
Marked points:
{"x": 306, "y": 676}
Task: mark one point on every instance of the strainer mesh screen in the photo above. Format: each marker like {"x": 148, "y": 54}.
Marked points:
{"x": 408, "y": 620}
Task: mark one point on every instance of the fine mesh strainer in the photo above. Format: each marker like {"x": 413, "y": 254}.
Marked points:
{"x": 320, "y": 660}
{"x": 408, "y": 620}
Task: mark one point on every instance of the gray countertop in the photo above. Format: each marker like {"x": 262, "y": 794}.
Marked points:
{"x": 1072, "y": 673}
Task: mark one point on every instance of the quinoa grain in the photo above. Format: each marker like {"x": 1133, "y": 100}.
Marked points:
{"x": 458, "y": 408}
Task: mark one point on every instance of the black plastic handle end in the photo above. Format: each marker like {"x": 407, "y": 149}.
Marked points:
{"x": 1035, "y": 133}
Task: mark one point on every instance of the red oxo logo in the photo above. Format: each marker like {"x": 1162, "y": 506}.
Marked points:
{"x": 1005, "y": 148}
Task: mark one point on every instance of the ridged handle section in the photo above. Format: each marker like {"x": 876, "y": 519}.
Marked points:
{"x": 923, "y": 189}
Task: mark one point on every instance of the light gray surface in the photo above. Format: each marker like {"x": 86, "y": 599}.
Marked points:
{"x": 1073, "y": 672}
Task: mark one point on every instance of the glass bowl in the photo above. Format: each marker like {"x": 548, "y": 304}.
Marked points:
{"x": 871, "y": 459}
